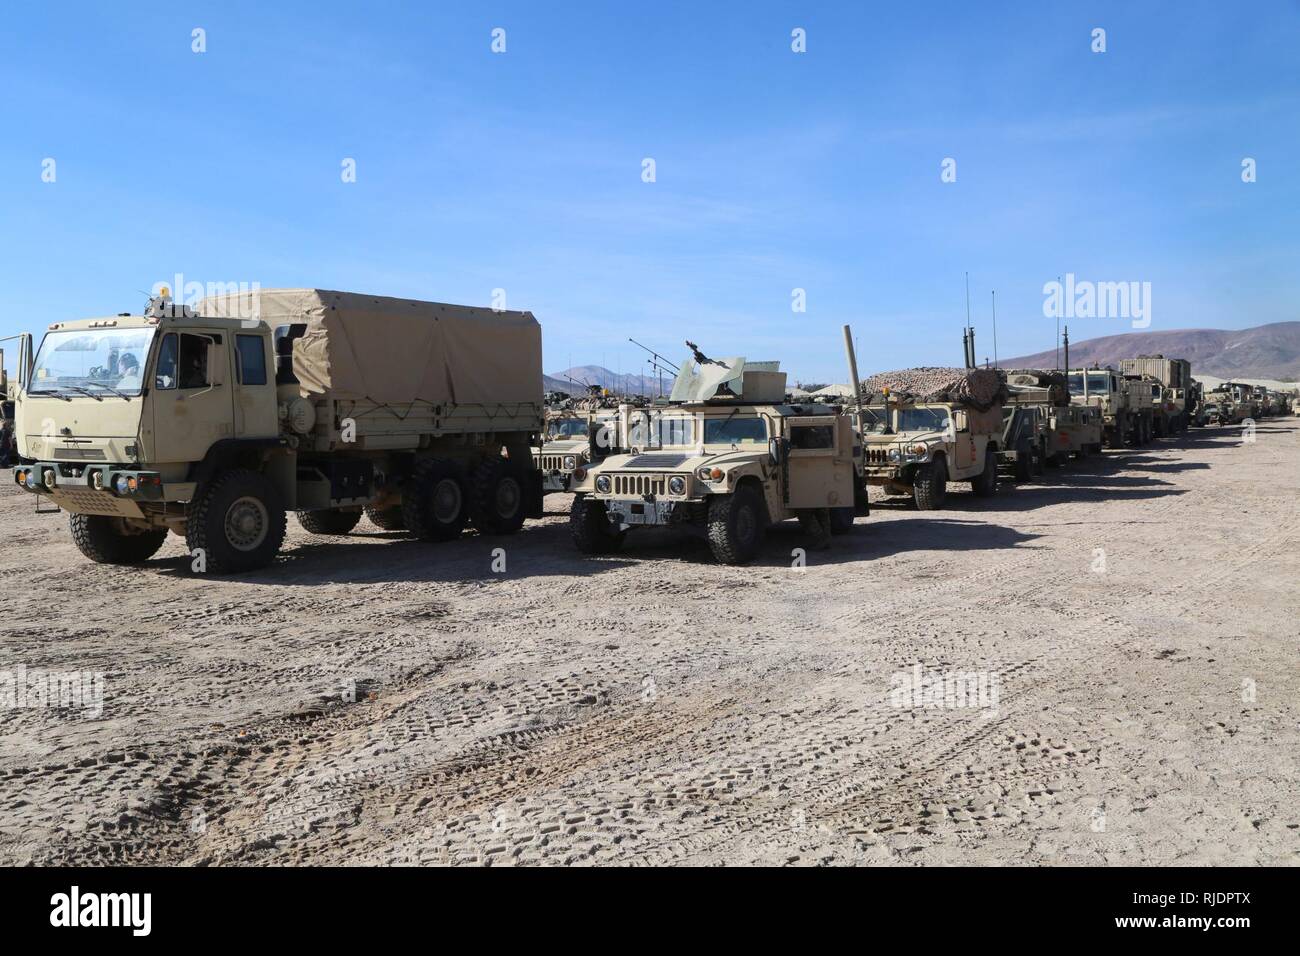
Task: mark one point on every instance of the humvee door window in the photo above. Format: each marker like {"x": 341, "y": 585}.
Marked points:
{"x": 252, "y": 360}
{"x": 812, "y": 436}
{"x": 165, "y": 371}
{"x": 735, "y": 431}
{"x": 194, "y": 361}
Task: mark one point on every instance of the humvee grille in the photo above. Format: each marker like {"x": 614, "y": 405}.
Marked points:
{"x": 640, "y": 484}
{"x": 656, "y": 461}
{"x": 877, "y": 456}
{"x": 551, "y": 463}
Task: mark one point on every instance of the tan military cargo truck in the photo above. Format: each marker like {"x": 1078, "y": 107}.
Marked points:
{"x": 1124, "y": 404}
{"x": 1041, "y": 427}
{"x": 214, "y": 422}
{"x": 1170, "y": 383}
{"x": 725, "y": 459}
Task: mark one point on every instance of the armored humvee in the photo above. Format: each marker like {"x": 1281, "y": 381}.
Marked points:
{"x": 725, "y": 458}
{"x": 574, "y": 438}
{"x": 215, "y": 421}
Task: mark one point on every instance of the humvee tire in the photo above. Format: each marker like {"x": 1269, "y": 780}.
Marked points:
{"x": 238, "y": 522}
{"x": 930, "y": 485}
{"x": 986, "y": 484}
{"x": 736, "y": 525}
{"x": 106, "y": 540}
{"x": 498, "y": 502}
{"x": 842, "y": 520}
{"x": 1024, "y": 467}
{"x": 328, "y": 521}
{"x": 389, "y": 519}
{"x": 434, "y": 502}
{"x": 589, "y": 528}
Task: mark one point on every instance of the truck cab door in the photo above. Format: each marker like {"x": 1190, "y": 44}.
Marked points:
{"x": 819, "y": 462}
{"x": 256, "y": 407}
{"x": 191, "y": 399}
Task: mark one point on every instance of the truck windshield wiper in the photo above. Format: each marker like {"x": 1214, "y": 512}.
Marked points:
{"x": 85, "y": 391}
{"x": 49, "y": 391}
{"x": 113, "y": 390}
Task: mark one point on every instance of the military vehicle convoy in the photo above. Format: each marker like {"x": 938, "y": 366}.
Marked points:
{"x": 724, "y": 459}
{"x": 214, "y": 422}
{"x": 1124, "y": 404}
{"x": 925, "y": 428}
{"x": 1039, "y": 425}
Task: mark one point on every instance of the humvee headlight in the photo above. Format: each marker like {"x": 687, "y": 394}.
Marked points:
{"x": 570, "y": 462}
{"x": 677, "y": 485}
{"x": 120, "y": 484}
{"x": 893, "y": 454}
{"x": 603, "y": 484}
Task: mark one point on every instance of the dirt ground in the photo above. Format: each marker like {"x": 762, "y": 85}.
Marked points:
{"x": 1125, "y": 635}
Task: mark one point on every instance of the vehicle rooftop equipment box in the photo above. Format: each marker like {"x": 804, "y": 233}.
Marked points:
{"x": 399, "y": 350}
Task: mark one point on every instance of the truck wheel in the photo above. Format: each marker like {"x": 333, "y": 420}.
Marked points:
{"x": 108, "y": 540}
{"x": 1037, "y": 465}
{"x": 499, "y": 497}
{"x": 1115, "y": 439}
{"x": 590, "y": 528}
{"x": 736, "y": 526}
{"x": 986, "y": 485}
{"x": 1024, "y": 467}
{"x": 1082, "y": 453}
{"x": 930, "y": 485}
{"x": 238, "y": 522}
{"x": 387, "y": 519}
{"x": 434, "y": 505}
{"x": 328, "y": 521}
{"x": 842, "y": 520}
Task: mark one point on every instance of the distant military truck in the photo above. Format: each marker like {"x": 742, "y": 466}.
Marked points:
{"x": 1170, "y": 381}
{"x": 927, "y": 428}
{"x": 723, "y": 460}
{"x": 1040, "y": 426}
{"x": 214, "y": 422}
{"x": 575, "y": 438}
{"x": 1195, "y": 403}
{"x": 1124, "y": 404}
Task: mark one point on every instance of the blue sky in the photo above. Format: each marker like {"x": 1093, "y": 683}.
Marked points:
{"x": 775, "y": 170}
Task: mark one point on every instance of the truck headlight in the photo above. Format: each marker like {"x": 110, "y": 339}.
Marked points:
{"x": 570, "y": 462}
{"x": 120, "y": 485}
{"x": 50, "y": 478}
{"x": 31, "y": 480}
{"x": 677, "y": 485}
{"x": 603, "y": 484}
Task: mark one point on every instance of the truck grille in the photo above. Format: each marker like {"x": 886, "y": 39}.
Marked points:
{"x": 640, "y": 484}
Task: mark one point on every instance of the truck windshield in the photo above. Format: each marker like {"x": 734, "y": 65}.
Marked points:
{"x": 92, "y": 360}
{"x": 568, "y": 428}
{"x": 735, "y": 431}
{"x": 922, "y": 419}
{"x": 1097, "y": 382}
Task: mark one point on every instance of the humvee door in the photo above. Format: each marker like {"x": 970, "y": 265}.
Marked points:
{"x": 820, "y": 462}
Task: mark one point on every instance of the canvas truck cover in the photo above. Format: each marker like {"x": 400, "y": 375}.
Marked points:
{"x": 399, "y": 350}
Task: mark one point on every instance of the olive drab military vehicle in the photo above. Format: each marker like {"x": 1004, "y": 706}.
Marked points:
{"x": 724, "y": 459}
{"x": 213, "y": 422}
{"x": 1124, "y": 404}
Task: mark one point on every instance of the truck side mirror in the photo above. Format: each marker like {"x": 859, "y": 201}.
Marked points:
{"x": 216, "y": 364}
{"x": 774, "y": 450}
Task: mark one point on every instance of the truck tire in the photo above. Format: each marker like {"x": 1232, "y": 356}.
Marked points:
{"x": 1039, "y": 456}
{"x": 842, "y": 520}
{"x": 386, "y": 519}
{"x": 986, "y": 485}
{"x": 499, "y": 500}
{"x": 737, "y": 524}
{"x": 590, "y": 529}
{"x": 435, "y": 505}
{"x": 1024, "y": 467}
{"x": 106, "y": 540}
{"x": 1115, "y": 439}
{"x": 238, "y": 521}
{"x": 930, "y": 485}
{"x": 328, "y": 521}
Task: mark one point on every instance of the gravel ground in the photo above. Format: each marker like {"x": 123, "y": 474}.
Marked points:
{"x": 1125, "y": 635}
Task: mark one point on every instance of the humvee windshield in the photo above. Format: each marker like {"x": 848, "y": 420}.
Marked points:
{"x": 567, "y": 428}
{"x": 1097, "y": 382}
{"x": 922, "y": 419}
{"x": 735, "y": 431}
{"x": 655, "y": 430}
{"x": 874, "y": 418}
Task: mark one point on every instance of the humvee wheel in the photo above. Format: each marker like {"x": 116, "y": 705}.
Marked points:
{"x": 499, "y": 501}
{"x": 842, "y": 520}
{"x": 986, "y": 485}
{"x": 1024, "y": 466}
{"x": 736, "y": 526}
{"x": 238, "y": 522}
{"x": 328, "y": 521}
{"x": 388, "y": 519}
{"x": 590, "y": 529}
{"x": 108, "y": 540}
{"x": 930, "y": 486}
{"x": 434, "y": 506}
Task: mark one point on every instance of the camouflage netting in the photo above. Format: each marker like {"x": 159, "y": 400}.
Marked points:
{"x": 979, "y": 388}
{"x": 1054, "y": 382}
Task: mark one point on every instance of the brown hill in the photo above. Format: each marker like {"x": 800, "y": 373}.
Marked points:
{"x": 1265, "y": 351}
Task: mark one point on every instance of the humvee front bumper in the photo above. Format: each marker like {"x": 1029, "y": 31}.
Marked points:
{"x": 627, "y": 513}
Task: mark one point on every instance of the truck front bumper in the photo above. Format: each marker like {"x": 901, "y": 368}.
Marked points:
{"x": 116, "y": 490}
